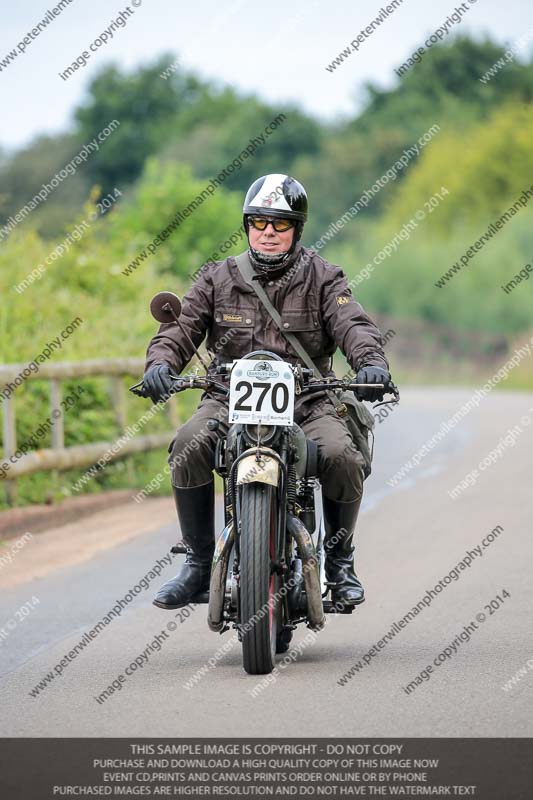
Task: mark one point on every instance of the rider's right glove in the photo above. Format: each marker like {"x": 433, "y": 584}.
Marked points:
{"x": 157, "y": 382}
{"x": 372, "y": 374}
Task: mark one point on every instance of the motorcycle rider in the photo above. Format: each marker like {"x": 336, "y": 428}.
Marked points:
{"x": 316, "y": 304}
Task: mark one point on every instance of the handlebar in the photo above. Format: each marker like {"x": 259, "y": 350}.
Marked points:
{"x": 197, "y": 382}
{"x": 181, "y": 383}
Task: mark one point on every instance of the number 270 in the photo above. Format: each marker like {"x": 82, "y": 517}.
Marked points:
{"x": 278, "y": 407}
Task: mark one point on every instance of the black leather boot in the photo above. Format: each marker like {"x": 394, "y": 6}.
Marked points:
{"x": 196, "y": 514}
{"x": 339, "y": 520}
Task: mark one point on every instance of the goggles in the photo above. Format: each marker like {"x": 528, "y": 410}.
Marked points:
{"x": 279, "y": 225}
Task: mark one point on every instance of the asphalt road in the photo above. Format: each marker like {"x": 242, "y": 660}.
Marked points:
{"x": 410, "y": 537}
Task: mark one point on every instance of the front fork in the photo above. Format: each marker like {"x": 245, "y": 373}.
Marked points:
{"x": 279, "y": 562}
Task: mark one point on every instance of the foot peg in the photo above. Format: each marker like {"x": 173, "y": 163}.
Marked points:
{"x": 331, "y": 608}
{"x": 201, "y": 597}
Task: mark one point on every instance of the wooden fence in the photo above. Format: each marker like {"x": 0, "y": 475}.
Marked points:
{"x": 59, "y": 457}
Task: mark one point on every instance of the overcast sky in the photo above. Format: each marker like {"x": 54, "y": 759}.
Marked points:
{"x": 277, "y": 49}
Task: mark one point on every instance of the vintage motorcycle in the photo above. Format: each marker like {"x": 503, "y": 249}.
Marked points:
{"x": 267, "y": 574}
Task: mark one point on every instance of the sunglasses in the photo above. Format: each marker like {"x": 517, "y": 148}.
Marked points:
{"x": 279, "y": 225}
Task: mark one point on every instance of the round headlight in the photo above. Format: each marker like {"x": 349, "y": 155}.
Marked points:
{"x": 266, "y": 433}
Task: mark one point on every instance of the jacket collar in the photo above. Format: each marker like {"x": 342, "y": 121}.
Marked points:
{"x": 292, "y": 275}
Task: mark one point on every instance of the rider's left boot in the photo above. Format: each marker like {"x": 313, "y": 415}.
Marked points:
{"x": 339, "y": 520}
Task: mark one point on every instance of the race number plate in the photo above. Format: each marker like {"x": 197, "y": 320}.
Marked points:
{"x": 261, "y": 392}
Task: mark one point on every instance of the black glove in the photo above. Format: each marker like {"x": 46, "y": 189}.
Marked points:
{"x": 372, "y": 375}
{"x": 157, "y": 382}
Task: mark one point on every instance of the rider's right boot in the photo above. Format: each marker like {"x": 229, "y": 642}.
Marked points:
{"x": 196, "y": 514}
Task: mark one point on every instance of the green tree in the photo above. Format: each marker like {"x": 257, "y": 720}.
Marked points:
{"x": 147, "y": 108}
{"x": 445, "y": 85}
{"x": 23, "y": 175}
{"x": 486, "y": 168}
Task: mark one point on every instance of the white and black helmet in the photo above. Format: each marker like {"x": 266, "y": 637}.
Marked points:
{"x": 281, "y": 196}
{"x": 276, "y": 195}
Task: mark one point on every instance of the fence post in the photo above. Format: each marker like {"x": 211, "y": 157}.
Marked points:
{"x": 174, "y": 412}
{"x": 118, "y": 393}
{"x": 56, "y": 415}
{"x": 120, "y": 406}
{"x": 9, "y": 432}
{"x": 58, "y": 426}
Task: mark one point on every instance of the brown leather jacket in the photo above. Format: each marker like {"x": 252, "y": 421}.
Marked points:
{"x": 312, "y": 297}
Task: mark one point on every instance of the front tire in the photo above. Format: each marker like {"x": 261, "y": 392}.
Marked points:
{"x": 259, "y": 586}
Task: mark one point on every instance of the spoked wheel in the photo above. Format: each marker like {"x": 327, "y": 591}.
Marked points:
{"x": 259, "y": 586}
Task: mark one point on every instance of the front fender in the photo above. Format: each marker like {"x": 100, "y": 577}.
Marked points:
{"x": 249, "y": 470}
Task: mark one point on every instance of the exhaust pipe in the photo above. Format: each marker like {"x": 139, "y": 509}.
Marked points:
{"x": 217, "y": 583}
{"x": 315, "y": 607}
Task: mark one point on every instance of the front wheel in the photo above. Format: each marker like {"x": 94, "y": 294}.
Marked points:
{"x": 259, "y": 585}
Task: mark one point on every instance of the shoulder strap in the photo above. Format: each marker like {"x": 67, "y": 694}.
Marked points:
{"x": 248, "y": 273}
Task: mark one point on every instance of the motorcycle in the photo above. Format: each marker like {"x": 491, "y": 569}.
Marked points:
{"x": 267, "y": 574}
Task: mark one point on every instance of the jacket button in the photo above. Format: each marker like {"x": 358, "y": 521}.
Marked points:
{"x": 285, "y": 324}
{"x": 248, "y": 321}
{"x": 271, "y": 283}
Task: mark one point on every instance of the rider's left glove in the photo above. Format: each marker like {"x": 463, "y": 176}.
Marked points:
{"x": 372, "y": 375}
{"x": 158, "y": 383}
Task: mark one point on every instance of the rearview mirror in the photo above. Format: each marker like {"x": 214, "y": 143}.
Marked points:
{"x": 165, "y": 307}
